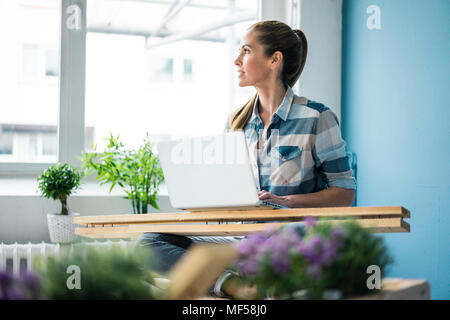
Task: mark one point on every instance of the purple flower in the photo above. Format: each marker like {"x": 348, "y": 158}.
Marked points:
{"x": 6, "y": 279}
{"x": 247, "y": 267}
{"x": 337, "y": 234}
{"x": 30, "y": 280}
{"x": 249, "y": 245}
{"x": 310, "y": 222}
{"x": 6, "y": 284}
{"x": 311, "y": 249}
{"x": 276, "y": 244}
{"x": 329, "y": 254}
{"x": 281, "y": 261}
{"x": 249, "y": 253}
{"x": 318, "y": 250}
{"x": 316, "y": 242}
{"x": 9, "y": 289}
{"x": 278, "y": 251}
{"x": 13, "y": 288}
{"x": 280, "y": 247}
{"x": 32, "y": 283}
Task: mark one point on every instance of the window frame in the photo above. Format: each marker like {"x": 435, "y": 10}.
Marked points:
{"x": 70, "y": 126}
{"x": 72, "y": 71}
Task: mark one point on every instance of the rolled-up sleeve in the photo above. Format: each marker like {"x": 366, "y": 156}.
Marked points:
{"x": 330, "y": 153}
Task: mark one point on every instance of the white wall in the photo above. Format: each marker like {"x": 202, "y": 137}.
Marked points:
{"x": 24, "y": 218}
{"x": 320, "y": 20}
{"x": 321, "y": 78}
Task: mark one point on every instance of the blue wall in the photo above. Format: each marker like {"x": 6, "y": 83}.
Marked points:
{"x": 396, "y": 117}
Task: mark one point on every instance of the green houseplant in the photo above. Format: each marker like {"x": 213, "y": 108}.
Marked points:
{"x": 58, "y": 182}
{"x": 311, "y": 261}
{"x": 137, "y": 172}
{"x": 88, "y": 272}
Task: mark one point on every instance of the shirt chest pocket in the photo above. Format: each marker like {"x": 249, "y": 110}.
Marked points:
{"x": 287, "y": 153}
{"x": 289, "y": 165}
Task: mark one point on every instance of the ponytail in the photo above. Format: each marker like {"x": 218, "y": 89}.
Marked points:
{"x": 241, "y": 116}
{"x": 303, "y": 55}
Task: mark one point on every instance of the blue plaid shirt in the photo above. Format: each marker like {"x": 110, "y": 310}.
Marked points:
{"x": 302, "y": 150}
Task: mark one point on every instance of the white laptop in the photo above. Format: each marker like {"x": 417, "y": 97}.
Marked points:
{"x": 210, "y": 173}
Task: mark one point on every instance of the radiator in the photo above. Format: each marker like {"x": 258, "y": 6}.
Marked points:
{"x": 19, "y": 257}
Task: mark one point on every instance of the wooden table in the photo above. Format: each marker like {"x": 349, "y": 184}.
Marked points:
{"x": 196, "y": 271}
{"x": 227, "y": 223}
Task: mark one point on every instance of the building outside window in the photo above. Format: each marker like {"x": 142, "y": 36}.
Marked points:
{"x": 138, "y": 79}
{"x": 137, "y": 84}
{"x": 29, "y": 64}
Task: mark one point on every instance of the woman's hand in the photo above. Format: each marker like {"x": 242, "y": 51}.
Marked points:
{"x": 330, "y": 197}
{"x": 270, "y": 197}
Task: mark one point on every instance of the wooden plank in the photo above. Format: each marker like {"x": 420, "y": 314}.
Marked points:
{"x": 405, "y": 213}
{"x": 399, "y": 289}
{"x": 385, "y": 225}
{"x": 133, "y": 231}
{"x": 197, "y": 271}
{"x": 391, "y": 289}
{"x": 242, "y": 215}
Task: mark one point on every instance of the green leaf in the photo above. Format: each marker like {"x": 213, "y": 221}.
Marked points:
{"x": 137, "y": 172}
{"x": 58, "y": 182}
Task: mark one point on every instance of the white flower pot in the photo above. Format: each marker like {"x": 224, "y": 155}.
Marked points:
{"x": 61, "y": 227}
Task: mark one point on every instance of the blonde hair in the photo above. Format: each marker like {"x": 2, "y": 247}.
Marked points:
{"x": 275, "y": 36}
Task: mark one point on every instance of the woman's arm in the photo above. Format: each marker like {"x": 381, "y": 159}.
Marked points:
{"x": 331, "y": 197}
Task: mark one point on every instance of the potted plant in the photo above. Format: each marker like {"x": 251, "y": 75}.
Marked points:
{"x": 58, "y": 182}
{"x": 101, "y": 272}
{"x": 310, "y": 261}
{"x": 137, "y": 172}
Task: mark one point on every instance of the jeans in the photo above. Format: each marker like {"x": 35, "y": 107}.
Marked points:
{"x": 167, "y": 249}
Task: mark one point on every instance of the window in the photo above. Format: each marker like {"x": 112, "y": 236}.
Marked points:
{"x": 49, "y": 144}
{"x": 187, "y": 70}
{"x": 160, "y": 69}
{"x": 29, "y": 101}
{"x": 23, "y": 143}
{"x": 147, "y": 69}
{"x": 30, "y": 62}
{"x": 51, "y": 63}
{"x": 136, "y": 84}
{"x": 6, "y": 144}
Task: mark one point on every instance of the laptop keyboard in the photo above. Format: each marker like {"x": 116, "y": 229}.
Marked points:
{"x": 271, "y": 204}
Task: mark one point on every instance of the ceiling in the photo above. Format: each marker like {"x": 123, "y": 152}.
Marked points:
{"x": 168, "y": 19}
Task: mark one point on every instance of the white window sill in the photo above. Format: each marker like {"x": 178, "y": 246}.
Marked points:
{"x": 22, "y": 186}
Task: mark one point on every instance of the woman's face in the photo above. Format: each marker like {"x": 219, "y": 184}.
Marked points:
{"x": 253, "y": 65}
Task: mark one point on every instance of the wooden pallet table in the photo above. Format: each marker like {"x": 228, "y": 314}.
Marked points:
{"x": 196, "y": 271}
{"x": 227, "y": 223}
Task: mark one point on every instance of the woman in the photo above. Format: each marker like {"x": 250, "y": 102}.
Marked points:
{"x": 296, "y": 149}
{"x": 299, "y": 158}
